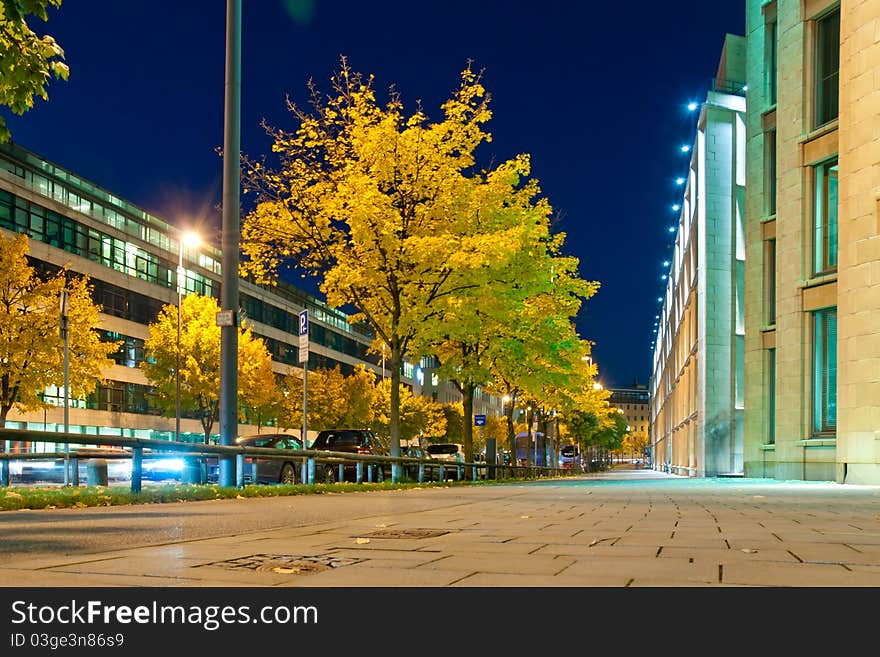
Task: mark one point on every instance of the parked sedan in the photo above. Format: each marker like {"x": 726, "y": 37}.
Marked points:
{"x": 452, "y": 454}
{"x": 268, "y": 470}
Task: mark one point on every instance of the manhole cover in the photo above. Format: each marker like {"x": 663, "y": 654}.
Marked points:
{"x": 285, "y": 564}
{"x": 406, "y": 533}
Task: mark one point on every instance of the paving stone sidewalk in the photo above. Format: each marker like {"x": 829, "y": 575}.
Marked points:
{"x": 619, "y": 529}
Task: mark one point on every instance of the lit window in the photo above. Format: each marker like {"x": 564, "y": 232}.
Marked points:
{"x": 825, "y": 371}
{"x": 827, "y": 65}
{"x": 825, "y": 218}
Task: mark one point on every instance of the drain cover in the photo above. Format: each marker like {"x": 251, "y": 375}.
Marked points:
{"x": 406, "y": 533}
{"x": 285, "y": 564}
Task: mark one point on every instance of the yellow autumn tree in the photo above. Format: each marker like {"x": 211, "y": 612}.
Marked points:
{"x": 200, "y": 360}
{"x": 379, "y": 205}
{"x": 31, "y": 347}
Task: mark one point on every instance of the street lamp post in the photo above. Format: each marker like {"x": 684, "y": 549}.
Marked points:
{"x": 192, "y": 240}
{"x": 64, "y": 303}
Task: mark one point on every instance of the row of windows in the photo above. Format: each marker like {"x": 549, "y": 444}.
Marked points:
{"x": 21, "y": 216}
{"x": 825, "y": 65}
{"x": 48, "y": 186}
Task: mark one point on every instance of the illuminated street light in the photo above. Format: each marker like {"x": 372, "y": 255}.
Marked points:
{"x": 692, "y": 107}
{"x": 665, "y": 263}
{"x": 676, "y": 207}
{"x": 685, "y": 148}
{"x": 672, "y": 229}
{"x": 597, "y": 386}
{"x": 663, "y": 277}
{"x": 679, "y": 181}
{"x": 190, "y": 240}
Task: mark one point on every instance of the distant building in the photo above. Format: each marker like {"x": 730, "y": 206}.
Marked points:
{"x": 635, "y": 403}
{"x": 697, "y": 381}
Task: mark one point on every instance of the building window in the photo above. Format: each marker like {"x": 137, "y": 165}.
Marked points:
{"x": 770, "y": 172}
{"x": 825, "y": 371}
{"x": 770, "y": 62}
{"x": 825, "y": 218}
{"x": 827, "y": 65}
{"x": 771, "y": 396}
{"x": 770, "y": 282}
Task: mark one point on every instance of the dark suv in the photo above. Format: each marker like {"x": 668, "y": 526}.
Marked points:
{"x": 352, "y": 441}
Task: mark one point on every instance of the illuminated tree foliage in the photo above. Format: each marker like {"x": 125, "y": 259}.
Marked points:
{"x": 381, "y": 206}
{"x": 31, "y": 347}
{"x": 26, "y": 60}
{"x": 200, "y": 361}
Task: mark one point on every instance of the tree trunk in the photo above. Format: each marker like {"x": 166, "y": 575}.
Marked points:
{"x": 467, "y": 431}
{"x": 396, "y": 359}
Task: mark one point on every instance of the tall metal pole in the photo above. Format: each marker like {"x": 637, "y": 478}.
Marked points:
{"x": 305, "y": 434}
{"x": 65, "y": 334}
{"x": 231, "y": 210}
{"x": 177, "y": 367}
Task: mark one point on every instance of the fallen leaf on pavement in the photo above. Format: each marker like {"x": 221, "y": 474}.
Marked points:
{"x": 286, "y": 571}
{"x": 361, "y": 541}
{"x": 525, "y": 516}
{"x": 757, "y": 496}
{"x": 748, "y": 551}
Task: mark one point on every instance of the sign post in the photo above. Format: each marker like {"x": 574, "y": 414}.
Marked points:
{"x": 304, "y": 359}
{"x": 480, "y": 421}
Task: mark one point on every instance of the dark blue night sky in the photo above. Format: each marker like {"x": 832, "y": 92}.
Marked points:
{"x": 596, "y": 92}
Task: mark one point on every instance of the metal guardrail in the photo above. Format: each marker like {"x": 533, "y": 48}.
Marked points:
{"x": 367, "y": 466}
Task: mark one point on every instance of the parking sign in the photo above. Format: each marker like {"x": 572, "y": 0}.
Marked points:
{"x": 304, "y": 336}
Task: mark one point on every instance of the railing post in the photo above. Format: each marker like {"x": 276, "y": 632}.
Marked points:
{"x": 137, "y": 461}
{"x": 310, "y": 470}
{"x": 474, "y": 473}
{"x": 239, "y": 471}
{"x": 369, "y": 473}
{"x": 359, "y": 472}
{"x": 4, "y": 473}
{"x": 341, "y": 472}
{"x": 421, "y": 473}
{"x": 442, "y": 475}
{"x": 74, "y": 472}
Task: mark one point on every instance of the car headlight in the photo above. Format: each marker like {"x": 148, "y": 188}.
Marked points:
{"x": 171, "y": 465}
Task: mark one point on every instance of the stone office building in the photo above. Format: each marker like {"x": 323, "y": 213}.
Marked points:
{"x": 697, "y": 377}
{"x": 813, "y": 240}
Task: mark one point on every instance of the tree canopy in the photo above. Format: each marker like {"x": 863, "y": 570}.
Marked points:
{"x": 200, "y": 361}
{"x": 31, "y": 346}
{"x": 26, "y": 60}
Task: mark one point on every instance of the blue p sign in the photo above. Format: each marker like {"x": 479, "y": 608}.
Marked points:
{"x": 479, "y": 420}
{"x": 304, "y": 322}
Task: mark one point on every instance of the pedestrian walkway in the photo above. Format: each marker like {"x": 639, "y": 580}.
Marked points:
{"x": 616, "y": 529}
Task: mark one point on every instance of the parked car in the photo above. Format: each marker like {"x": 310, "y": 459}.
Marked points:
{"x": 268, "y": 470}
{"x": 411, "y": 470}
{"x": 352, "y": 441}
{"x": 452, "y": 454}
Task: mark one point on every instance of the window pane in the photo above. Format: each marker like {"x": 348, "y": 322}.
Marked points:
{"x": 771, "y": 396}
{"x": 825, "y": 371}
{"x": 825, "y": 218}
{"x": 827, "y": 67}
